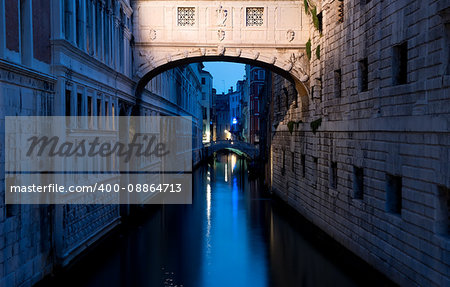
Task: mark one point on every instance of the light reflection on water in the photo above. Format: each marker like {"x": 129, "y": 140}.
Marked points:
{"x": 232, "y": 235}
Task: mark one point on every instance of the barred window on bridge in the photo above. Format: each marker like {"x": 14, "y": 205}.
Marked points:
{"x": 255, "y": 16}
{"x": 186, "y": 16}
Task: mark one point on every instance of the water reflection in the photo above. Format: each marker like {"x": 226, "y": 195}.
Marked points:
{"x": 232, "y": 235}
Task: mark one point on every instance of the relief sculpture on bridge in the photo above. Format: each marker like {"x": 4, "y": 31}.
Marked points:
{"x": 222, "y": 16}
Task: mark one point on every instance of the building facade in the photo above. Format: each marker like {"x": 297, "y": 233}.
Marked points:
{"x": 257, "y": 85}
{"x": 74, "y": 58}
{"x": 222, "y": 117}
{"x": 207, "y": 103}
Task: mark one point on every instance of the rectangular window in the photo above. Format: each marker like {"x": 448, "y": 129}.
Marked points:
{"x": 363, "y": 70}
{"x": 400, "y": 64}
{"x": 443, "y": 211}
{"x": 99, "y": 113}
{"x": 12, "y": 25}
{"x": 393, "y": 194}
{"x": 90, "y": 111}
{"x": 303, "y": 160}
{"x": 186, "y": 16}
{"x": 203, "y": 81}
{"x": 106, "y": 109}
{"x": 358, "y": 182}
{"x": 68, "y": 103}
{"x": 79, "y": 104}
{"x": 255, "y": 16}
{"x": 41, "y": 36}
{"x": 333, "y": 174}
{"x": 79, "y": 108}
{"x": 320, "y": 22}
{"x": 338, "y": 83}
{"x": 107, "y": 119}
{"x": 113, "y": 116}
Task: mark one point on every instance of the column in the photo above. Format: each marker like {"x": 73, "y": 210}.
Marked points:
{"x": 83, "y": 33}
{"x": 2, "y": 29}
{"x": 57, "y": 20}
{"x": 26, "y": 32}
{"x": 102, "y": 34}
{"x": 73, "y": 20}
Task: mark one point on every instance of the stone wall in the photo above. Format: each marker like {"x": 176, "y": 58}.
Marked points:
{"x": 375, "y": 175}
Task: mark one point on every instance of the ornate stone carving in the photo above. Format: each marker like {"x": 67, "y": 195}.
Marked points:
{"x": 289, "y": 67}
{"x": 293, "y": 58}
{"x": 146, "y": 61}
{"x": 222, "y": 16}
{"x": 238, "y": 52}
{"x": 221, "y": 50}
{"x": 290, "y": 35}
{"x": 256, "y": 55}
{"x": 203, "y": 51}
{"x": 221, "y": 34}
{"x": 152, "y": 34}
{"x": 304, "y": 78}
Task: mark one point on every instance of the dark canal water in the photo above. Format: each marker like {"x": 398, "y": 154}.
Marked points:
{"x": 233, "y": 234}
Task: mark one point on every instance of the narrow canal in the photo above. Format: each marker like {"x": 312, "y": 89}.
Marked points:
{"x": 234, "y": 234}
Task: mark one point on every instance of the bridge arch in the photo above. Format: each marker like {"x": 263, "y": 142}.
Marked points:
{"x": 173, "y": 33}
{"x": 295, "y": 75}
{"x": 239, "y": 147}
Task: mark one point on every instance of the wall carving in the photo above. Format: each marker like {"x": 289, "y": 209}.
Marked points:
{"x": 222, "y": 16}
{"x": 152, "y": 34}
{"x": 290, "y": 35}
{"x": 221, "y": 34}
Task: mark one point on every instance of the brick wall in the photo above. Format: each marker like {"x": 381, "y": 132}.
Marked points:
{"x": 389, "y": 138}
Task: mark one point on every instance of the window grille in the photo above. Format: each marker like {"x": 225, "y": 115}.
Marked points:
{"x": 186, "y": 16}
{"x": 255, "y": 16}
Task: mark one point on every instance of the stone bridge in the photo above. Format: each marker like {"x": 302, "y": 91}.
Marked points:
{"x": 238, "y": 147}
{"x": 270, "y": 34}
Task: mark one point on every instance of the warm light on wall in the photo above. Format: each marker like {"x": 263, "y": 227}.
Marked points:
{"x": 227, "y": 135}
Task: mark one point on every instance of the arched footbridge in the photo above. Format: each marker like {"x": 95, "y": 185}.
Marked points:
{"x": 238, "y": 147}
